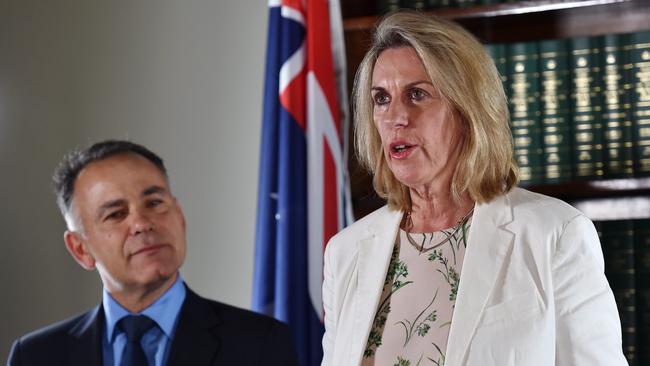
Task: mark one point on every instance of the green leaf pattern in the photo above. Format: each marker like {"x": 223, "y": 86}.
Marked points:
{"x": 444, "y": 264}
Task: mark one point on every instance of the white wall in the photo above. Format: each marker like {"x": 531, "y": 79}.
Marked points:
{"x": 182, "y": 77}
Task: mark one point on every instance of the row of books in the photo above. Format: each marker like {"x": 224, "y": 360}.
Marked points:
{"x": 579, "y": 107}
{"x": 626, "y": 250}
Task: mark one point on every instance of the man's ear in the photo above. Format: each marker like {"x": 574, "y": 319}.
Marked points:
{"x": 77, "y": 248}
{"x": 180, "y": 210}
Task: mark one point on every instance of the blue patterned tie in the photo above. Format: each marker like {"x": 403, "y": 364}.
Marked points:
{"x": 134, "y": 326}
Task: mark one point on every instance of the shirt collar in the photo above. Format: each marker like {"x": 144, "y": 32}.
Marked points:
{"x": 164, "y": 311}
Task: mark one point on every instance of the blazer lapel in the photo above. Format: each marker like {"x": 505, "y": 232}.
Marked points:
{"x": 195, "y": 340}
{"x": 374, "y": 256}
{"x": 489, "y": 244}
{"x": 85, "y": 342}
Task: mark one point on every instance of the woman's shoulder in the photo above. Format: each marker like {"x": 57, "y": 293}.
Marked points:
{"x": 523, "y": 200}
{"x": 370, "y": 224}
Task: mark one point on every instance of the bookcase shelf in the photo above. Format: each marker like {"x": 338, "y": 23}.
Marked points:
{"x": 609, "y": 188}
{"x": 529, "y": 20}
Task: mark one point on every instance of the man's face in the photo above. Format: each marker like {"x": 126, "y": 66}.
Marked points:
{"x": 133, "y": 229}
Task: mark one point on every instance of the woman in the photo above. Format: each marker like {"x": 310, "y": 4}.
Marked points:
{"x": 521, "y": 273}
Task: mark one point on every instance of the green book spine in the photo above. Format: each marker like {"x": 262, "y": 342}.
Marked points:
{"x": 616, "y": 117}
{"x": 554, "y": 90}
{"x": 617, "y": 240}
{"x": 523, "y": 92}
{"x": 385, "y": 6}
{"x": 437, "y": 4}
{"x": 586, "y": 109}
{"x": 640, "y": 57}
{"x": 642, "y": 272}
{"x": 413, "y": 4}
{"x": 464, "y": 3}
{"x": 498, "y": 54}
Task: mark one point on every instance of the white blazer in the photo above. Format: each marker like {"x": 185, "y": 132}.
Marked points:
{"x": 532, "y": 288}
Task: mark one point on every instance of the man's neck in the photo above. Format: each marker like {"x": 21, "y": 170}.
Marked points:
{"x": 137, "y": 299}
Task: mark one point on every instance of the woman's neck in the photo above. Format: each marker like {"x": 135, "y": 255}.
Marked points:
{"x": 435, "y": 210}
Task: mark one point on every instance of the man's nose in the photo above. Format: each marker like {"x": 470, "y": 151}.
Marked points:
{"x": 142, "y": 223}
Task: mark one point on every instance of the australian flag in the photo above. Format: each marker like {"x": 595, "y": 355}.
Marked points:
{"x": 303, "y": 197}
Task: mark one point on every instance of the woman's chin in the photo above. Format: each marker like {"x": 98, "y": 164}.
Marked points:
{"x": 411, "y": 180}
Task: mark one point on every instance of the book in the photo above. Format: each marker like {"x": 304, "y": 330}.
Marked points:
{"x": 523, "y": 94}
{"x": 616, "y": 117}
{"x": 463, "y": 3}
{"x": 554, "y": 90}
{"x": 436, "y": 4}
{"x": 586, "y": 103}
{"x": 385, "y": 6}
{"x": 638, "y": 50}
{"x": 412, "y": 4}
{"x": 617, "y": 240}
{"x": 497, "y": 52}
{"x": 642, "y": 272}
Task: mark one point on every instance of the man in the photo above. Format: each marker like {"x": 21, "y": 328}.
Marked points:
{"x": 123, "y": 221}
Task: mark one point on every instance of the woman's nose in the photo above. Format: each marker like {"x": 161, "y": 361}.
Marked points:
{"x": 397, "y": 114}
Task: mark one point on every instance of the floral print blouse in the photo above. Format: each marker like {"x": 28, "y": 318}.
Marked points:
{"x": 411, "y": 326}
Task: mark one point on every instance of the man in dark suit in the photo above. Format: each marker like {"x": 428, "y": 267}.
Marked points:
{"x": 123, "y": 221}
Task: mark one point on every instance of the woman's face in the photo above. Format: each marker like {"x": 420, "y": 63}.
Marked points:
{"x": 420, "y": 134}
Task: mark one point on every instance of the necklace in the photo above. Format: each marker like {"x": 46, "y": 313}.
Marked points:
{"x": 449, "y": 234}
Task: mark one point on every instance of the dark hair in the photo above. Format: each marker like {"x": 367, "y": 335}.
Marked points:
{"x": 75, "y": 161}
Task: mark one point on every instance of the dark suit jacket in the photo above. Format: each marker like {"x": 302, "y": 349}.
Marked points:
{"x": 208, "y": 333}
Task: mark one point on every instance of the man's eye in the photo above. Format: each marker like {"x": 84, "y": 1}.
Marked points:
{"x": 154, "y": 203}
{"x": 116, "y": 215}
{"x": 381, "y": 98}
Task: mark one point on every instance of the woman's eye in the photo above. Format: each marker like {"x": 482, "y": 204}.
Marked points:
{"x": 417, "y": 94}
{"x": 381, "y": 98}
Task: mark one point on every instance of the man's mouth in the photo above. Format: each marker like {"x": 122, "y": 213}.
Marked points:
{"x": 149, "y": 249}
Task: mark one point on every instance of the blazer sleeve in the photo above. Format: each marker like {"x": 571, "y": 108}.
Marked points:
{"x": 328, "y": 308}
{"x": 588, "y": 329}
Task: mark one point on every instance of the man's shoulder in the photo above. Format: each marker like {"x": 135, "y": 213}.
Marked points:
{"x": 245, "y": 336}
{"x": 47, "y": 342}
{"x": 230, "y": 314}
{"x": 60, "y": 329}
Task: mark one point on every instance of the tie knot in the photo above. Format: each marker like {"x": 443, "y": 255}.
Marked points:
{"x": 134, "y": 326}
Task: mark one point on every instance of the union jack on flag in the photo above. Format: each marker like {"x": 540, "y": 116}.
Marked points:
{"x": 303, "y": 197}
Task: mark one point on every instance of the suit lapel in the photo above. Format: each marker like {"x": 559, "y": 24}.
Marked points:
{"x": 489, "y": 244}
{"x": 85, "y": 342}
{"x": 195, "y": 339}
{"x": 374, "y": 256}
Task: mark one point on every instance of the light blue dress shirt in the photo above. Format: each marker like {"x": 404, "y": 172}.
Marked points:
{"x": 156, "y": 342}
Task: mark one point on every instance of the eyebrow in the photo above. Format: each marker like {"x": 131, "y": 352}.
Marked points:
{"x": 153, "y": 190}
{"x": 414, "y": 83}
{"x": 121, "y": 202}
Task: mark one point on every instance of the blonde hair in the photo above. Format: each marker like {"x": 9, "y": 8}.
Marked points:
{"x": 465, "y": 76}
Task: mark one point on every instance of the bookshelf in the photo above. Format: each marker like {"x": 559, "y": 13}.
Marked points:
{"x": 506, "y": 23}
